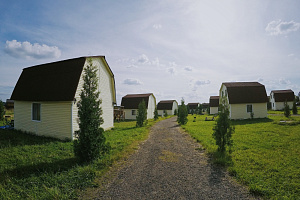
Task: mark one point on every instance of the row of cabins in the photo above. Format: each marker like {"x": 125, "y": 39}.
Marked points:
{"x": 46, "y": 96}
{"x": 249, "y": 98}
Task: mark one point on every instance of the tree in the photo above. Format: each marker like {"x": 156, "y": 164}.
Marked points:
{"x": 90, "y": 143}
{"x": 165, "y": 113}
{"x": 295, "y": 111}
{"x": 182, "y": 113}
{"x": 142, "y": 114}
{"x": 223, "y": 129}
{"x": 286, "y": 110}
{"x": 2, "y": 111}
{"x": 155, "y": 114}
{"x": 175, "y": 112}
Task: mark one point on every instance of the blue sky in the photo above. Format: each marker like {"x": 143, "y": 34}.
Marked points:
{"x": 174, "y": 49}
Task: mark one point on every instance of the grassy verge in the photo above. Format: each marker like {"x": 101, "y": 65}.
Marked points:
{"x": 265, "y": 154}
{"x": 33, "y": 167}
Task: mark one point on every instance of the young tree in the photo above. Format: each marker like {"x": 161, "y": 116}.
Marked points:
{"x": 166, "y": 113}
{"x": 295, "y": 111}
{"x": 223, "y": 129}
{"x": 286, "y": 109}
{"x": 155, "y": 114}
{"x": 142, "y": 114}
{"x": 175, "y": 112}
{"x": 182, "y": 113}
{"x": 2, "y": 111}
{"x": 90, "y": 143}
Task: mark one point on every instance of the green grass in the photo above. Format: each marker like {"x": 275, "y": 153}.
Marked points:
{"x": 33, "y": 167}
{"x": 265, "y": 154}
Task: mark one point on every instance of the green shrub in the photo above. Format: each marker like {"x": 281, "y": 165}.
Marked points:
{"x": 155, "y": 114}
{"x": 287, "y": 112}
{"x": 90, "y": 143}
{"x": 182, "y": 113}
{"x": 142, "y": 114}
{"x": 295, "y": 110}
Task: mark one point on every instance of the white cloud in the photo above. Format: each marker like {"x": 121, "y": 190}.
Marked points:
{"x": 282, "y": 81}
{"x": 188, "y": 68}
{"x": 171, "y": 70}
{"x": 27, "y": 50}
{"x": 143, "y": 59}
{"x": 279, "y": 27}
{"x": 199, "y": 83}
{"x": 157, "y": 26}
{"x": 130, "y": 81}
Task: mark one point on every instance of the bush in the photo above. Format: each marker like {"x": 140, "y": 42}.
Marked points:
{"x": 182, "y": 113}
{"x": 165, "y": 113}
{"x": 295, "y": 111}
{"x": 287, "y": 112}
{"x": 155, "y": 114}
{"x": 90, "y": 143}
{"x": 1, "y": 110}
{"x": 223, "y": 129}
{"x": 142, "y": 114}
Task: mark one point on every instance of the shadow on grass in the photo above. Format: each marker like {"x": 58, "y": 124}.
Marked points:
{"x": 12, "y": 138}
{"x": 40, "y": 168}
{"x": 251, "y": 121}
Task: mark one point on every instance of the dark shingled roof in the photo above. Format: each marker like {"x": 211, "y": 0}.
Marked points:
{"x": 165, "y": 105}
{"x": 192, "y": 105}
{"x": 132, "y": 101}
{"x": 283, "y": 95}
{"x": 56, "y": 81}
{"x": 214, "y": 101}
{"x": 246, "y": 92}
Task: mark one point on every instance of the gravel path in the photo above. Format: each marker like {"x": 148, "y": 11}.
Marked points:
{"x": 169, "y": 165}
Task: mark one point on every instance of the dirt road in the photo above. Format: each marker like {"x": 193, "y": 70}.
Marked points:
{"x": 170, "y": 165}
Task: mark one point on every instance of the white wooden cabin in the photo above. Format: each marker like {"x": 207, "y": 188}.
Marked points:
{"x": 278, "y": 97}
{"x": 167, "y": 105}
{"x": 131, "y": 103}
{"x": 45, "y": 96}
{"x": 244, "y": 98}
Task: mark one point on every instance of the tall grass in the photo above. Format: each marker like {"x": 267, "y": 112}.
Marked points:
{"x": 33, "y": 167}
{"x": 265, "y": 153}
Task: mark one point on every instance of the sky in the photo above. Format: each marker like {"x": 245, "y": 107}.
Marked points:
{"x": 174, "y": 49}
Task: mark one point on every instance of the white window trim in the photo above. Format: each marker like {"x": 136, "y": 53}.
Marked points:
{"x": 32, "y": 112}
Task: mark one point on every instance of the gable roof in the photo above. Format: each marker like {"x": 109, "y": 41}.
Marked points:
{"x": 246, "y": 92}
{"x": 214, "y": 101}
{"x": 283, "y": 95}
{"x": 132, "y": 101}
{"x": 56, "y": 81}
{"x": 193, "y": 105}
{"x": 165, "y": 105}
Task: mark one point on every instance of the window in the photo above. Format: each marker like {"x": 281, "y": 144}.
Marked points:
{"x": 249, "y": 109}
{"x": 133, "y": 112}
{"x": 36, "y": 111}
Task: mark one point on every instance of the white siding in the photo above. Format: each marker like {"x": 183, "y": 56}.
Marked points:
{"x": 106, "y": 95}
{"x": 151, "y": 107}
{"x": 239, "y": 111}
{"x": 175, "y": 107}
{"x": 55, "y": 119}
{"x": 213, "y": 110}
{"x": 128, "y": 114}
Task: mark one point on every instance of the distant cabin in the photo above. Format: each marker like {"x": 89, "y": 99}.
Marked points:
{"x": 214, "y": 104}
{"x": 131, "y": 102}
{"x": 244, "y": 98}
{"x": 192, "y": 107}
{"x": 9, "y": 105}
{"x": 278, "y": 97}
{"x": 205, "y": 106}
{"x": 167, "y": 105}
{"x": 46, "y": 96}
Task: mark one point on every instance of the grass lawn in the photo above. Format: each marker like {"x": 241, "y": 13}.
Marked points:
{"x": 33, "y": 167}
{"x": 265, "y": 154}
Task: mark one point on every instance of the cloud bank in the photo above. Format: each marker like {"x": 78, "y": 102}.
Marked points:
{"x": 130, "y": 81}
{"x": 279, "y": 27}
{"x": 28, "y": 50}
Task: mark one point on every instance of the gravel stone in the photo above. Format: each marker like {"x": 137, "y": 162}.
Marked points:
{"x": 171, "y": 165}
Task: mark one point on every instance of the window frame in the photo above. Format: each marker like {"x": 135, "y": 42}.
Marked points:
{"x": 36, "y": 111}
{"x": 133, "y": 112}
{"x": 248, "y": 109}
